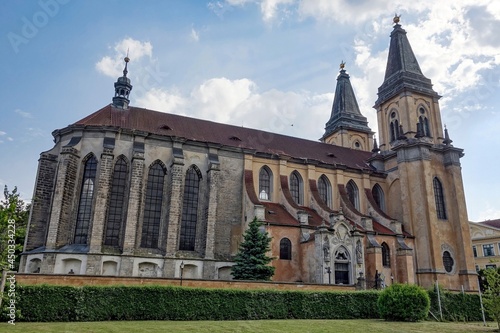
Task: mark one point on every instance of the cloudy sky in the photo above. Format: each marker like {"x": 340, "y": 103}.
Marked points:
{"x": 266, "y": 64}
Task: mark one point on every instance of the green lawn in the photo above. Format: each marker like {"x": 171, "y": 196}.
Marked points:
{"x": 264, "y": 326}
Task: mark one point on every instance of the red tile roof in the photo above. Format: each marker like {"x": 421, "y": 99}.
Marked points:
{"x": 491, "y": 223}
{"x": 199, "y": 130}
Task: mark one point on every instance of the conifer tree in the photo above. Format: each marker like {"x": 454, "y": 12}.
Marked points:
{"x": 251, "y": 260}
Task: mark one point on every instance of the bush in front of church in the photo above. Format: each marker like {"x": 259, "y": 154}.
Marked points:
{"x": 403, "y": 302}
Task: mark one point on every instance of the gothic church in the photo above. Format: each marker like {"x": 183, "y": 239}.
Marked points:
{"x": 128, "y": 191}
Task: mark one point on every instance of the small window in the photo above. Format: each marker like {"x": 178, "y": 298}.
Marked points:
{"x": 439, "y": 199}
{"x": 378, "y": 196}
{"x": 448, "y": 261}
{"x": 488, "y": 250}
{"x": 352, "y": 193}
{"x": 325, "y": 190}
{"x": 285, "y": 249}
{"x": 386, "y": 255}
{"x": 341, "y": 266}
{"x": 265, "y": 183}
{"x": 474, "y": 250}
{"x": 491, "y": 266}
{"x": 296, "y": 189}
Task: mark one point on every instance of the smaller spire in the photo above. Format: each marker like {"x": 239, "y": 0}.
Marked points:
{"x": 342, "y": 65}
{"x": 420, "y": 132}
{"x": 375, "y": 146}
{"x": 402, "y": 135}
{"x": 122, "y": 88}
{"x": 447, "y": 141}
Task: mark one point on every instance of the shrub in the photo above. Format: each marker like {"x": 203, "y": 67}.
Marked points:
{"x": 403, "y": 302}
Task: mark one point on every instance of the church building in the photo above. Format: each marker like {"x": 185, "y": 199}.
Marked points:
{"x": 128, "y": 191}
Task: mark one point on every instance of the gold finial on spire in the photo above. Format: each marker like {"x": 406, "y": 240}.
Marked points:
{"x": 126, "y": 59}
{"x": 396, "y": 18}
{"x": 342, "y": 64}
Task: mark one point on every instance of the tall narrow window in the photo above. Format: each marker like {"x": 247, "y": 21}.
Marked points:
{"x": 190, "y": 210}
{"x": 386, "y": 255}
{"x": 296, "y": 187}
{"x": 85, "y": 205}
{"x": 152, "y": 206}
{"x": 285, "y": 249}
{"x": 353, "y": 194}
{"x": 325, "y": 190}
{"x": 342, "y": 264}
{"x": 265, "y": 178}
{"x": 424, "y": 125}
{"x": 116, "y": 208}
{"x": 378, "y": 196}
{"x": 439, "y": 198}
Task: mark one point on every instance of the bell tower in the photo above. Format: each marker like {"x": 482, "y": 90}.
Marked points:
{"x": 424, "y": 177}
{"x": 122, "y": 88}
{"x": 347, "y": 127}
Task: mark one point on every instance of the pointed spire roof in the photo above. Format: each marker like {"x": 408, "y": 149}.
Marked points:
{"x": 345, "y": 109}
{"x": 402, "y": 71}
{"x": 122, "y": 88}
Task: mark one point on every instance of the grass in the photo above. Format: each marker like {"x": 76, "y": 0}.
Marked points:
{"x": 267, "y": 326}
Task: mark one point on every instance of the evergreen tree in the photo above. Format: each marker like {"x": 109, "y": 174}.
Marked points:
{"x": 251, "y": 260}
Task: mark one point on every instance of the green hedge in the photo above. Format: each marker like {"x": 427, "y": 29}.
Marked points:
{"x": 91, "y": 303}
{"x": 457, "y": 306}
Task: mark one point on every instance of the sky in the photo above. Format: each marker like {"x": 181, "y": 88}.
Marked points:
{"x": 265, "y": 64}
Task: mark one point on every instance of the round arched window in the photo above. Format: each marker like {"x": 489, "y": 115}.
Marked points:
{"x": 448, "y": 261}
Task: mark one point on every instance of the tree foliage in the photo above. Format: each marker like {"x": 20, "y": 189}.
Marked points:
{"x": 14, "y": 214}
{"x": 252, "y": 260}
{"x": 492, "y": 293}
{"x": 404, "y": 302}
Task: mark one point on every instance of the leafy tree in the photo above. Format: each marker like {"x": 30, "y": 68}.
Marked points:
{"x": 14, "y": 214}
{"x": 403, "y": 302}
{"x": 492, "y": 294}
{"x": 251, "y": 260}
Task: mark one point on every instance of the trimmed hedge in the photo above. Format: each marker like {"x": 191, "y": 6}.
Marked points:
{"x": 457, "y": 306}
{"x": 91, "y": 303}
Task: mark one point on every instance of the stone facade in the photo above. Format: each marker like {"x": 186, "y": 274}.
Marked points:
{"x": 342, "y": 211}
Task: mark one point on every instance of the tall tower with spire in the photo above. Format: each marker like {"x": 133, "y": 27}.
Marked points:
{"x": 347, "y": 127}
{"x": 122, "y": 88}
{"x": 424, "y": 179}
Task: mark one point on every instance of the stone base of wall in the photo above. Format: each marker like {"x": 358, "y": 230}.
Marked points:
{"x": 92, "y": 280}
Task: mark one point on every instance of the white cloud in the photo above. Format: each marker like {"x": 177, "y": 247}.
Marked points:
{"x": 195, "y": 35}
{"x": 2, "y": 133}
{"x": 239, "y": 102}
{"x": 490, "y": 213}
{"x": 10, "y": 139}
{"x": 113, "y": 65}
{"x": 23, "y": 114}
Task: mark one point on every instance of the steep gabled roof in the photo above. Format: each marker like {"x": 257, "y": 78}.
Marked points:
{"x": 402, "y": 71}
{"x": 198, "y": 130}
{"x": 345, "y": 109}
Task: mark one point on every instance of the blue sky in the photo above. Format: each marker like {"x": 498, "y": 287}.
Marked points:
{"x": 266, "y": 64}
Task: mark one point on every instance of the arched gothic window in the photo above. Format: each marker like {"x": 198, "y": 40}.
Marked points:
{"x": 448, "y": 261}
{"x": 190, "y": 209}
{"x": 386, "y": 255}
{"x": 342, "y": 266}
{"x": 84, "y": 215}
{"x": 378, "y": 196}
{"x": 353, "y": 193}
{"x": 439, "y": 198}
{"x": 265, "y": 183}
{"x": 296, "y": 187}
{"x": 394, "y": 126}
{"x": 116, "y": 210}
{"x": 152, "y": 206}
{"x": 424, "y": 125}
{"x": 325, "y": 190}
{"x": 285, "y": 249}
